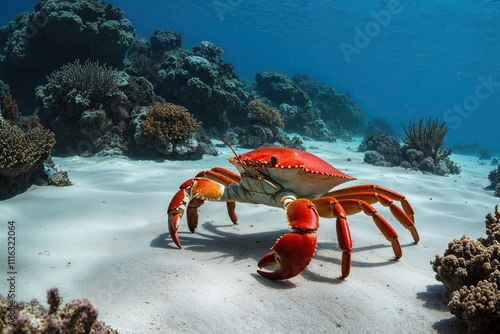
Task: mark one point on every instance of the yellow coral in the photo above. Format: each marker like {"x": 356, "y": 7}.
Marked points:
{"x": 262, "y": 113}
{"x": 168, "y": 121}
{"x": 21, "y": 150}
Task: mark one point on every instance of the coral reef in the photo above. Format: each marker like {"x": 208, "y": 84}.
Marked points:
{"x": 311, "y": 109}
{"x": 427, "y": 137}
{"x": 167, "y": 121}
{"x": 89, "y": 107}
{"x": 279, "y": 88}
{"x": 197, "y": 79}
{"x": 470, "y": 270}
{"x": 55, "y": 32}
{"x": 384, "y": 150}
{"x": 76, "y": 317}
{"x": 494, "y": 178}
{"x": 25, "y": 149}
{"x": 168, "y": 130}
{"x": 265, "y": 129}
{"x": 261, "y": 113}
{"x": 338, "y": 110}
{"x": 79, "y": 103}
{"x": 381, "y": 150}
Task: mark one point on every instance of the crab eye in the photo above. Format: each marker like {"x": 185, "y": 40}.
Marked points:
{"x": 274, "y": 160}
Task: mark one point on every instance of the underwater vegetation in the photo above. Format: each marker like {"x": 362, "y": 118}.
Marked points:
{"x": 77, "y": 317}
{"x": 423, "y": 149}
{"x": 25, "y": 148}
{"x": 470, "y": 271}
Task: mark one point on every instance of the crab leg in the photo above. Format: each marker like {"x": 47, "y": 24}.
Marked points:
{"x": 373, "y": 197}
{"x": 329, "y": 207}
{"x": 351, "y": 193}
{"x": 353, "y": 206}
{"x": 225, "y": 177}
{"x": 191, "y": 195}
{"x": 292, "y": 252}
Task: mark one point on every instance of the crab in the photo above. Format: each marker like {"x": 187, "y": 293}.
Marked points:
{"x": 300, "y": 183}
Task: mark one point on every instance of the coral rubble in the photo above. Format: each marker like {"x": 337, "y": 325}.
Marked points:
{"x": 470, "y": 270}
{"x": 76, "y": 317}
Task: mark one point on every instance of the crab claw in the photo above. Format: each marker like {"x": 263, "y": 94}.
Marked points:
{"x": 293, "y": 252}
{"x": 291, "y": 255}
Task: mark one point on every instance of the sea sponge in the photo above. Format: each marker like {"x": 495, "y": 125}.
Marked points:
{"x": 168, "y": 121}
{"x": 264, "y": 114}
{"x": 479, "y": 306}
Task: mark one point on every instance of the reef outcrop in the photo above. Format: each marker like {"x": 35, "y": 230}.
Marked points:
{"x": 422, "y": 150}
{"x": 55, "y": 32}
{"x": 494, "y": 178}
{"x": 25, "y": 149}
{"x": 470, "y": 271}
{"x": 198, "y": 79}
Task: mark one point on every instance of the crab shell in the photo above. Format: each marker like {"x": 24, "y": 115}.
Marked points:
{"x": 303, "y": 173}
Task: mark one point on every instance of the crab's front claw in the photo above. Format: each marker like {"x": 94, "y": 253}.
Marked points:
{"x": 292, "y": 252}
{"x": 291, "y": 255}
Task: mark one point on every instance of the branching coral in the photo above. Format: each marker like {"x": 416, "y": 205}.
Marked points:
{"x": 264, "y": 114}
{"x": 88, "y": 82}
{"x": 168, "y": 121}
{"x": 427, "y": 137}
{"x": 76, "y": 317}
{"x": 471, "y": 272}
{"x": 20, "y": 151}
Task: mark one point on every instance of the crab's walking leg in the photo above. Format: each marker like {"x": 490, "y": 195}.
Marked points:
{"x": 292, "y": 252}
{"x": 329, "y": 207}
{"x": 226, "y": 177}
{"x": 372, "y": 193}
{"x": 191, "y": 195}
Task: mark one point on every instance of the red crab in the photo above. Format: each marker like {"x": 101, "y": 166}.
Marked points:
{"x": 300, "y": 183}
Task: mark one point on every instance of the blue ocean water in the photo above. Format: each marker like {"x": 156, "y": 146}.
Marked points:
{"x": 399, "y": 60}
